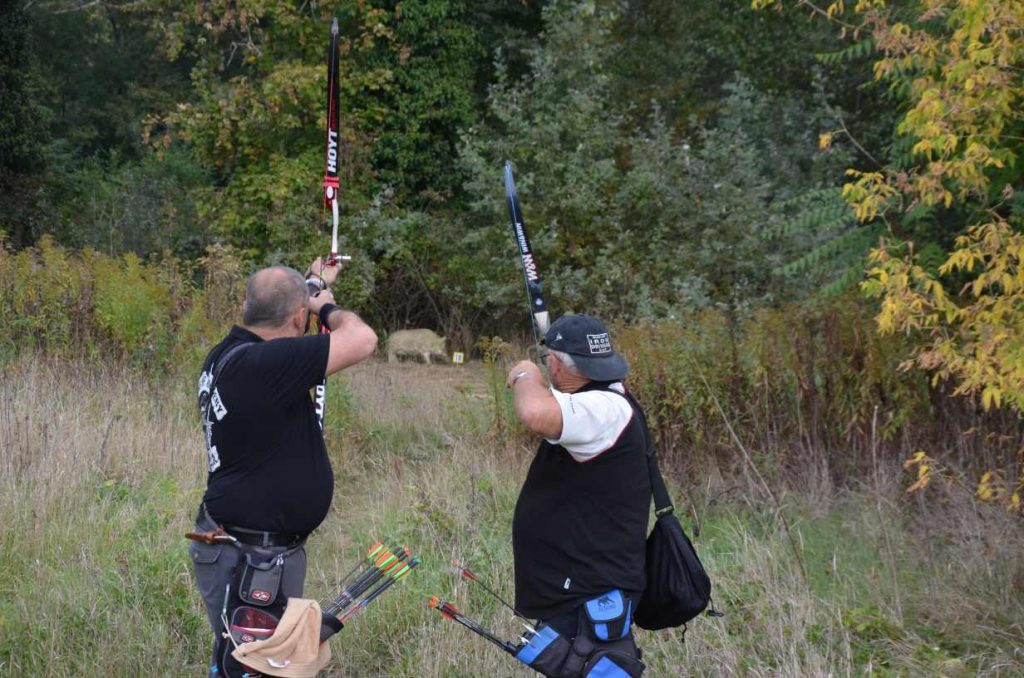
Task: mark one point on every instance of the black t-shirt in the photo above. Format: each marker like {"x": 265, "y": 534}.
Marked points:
{"x": 580, "y": 529}
{"x": 268, "y": 466}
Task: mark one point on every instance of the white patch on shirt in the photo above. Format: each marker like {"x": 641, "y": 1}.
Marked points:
{"x": 218, "y": 405}
{"x": 204, "y": 382}
{"x": 567, "y": 583}
{"x": 212, "y": 458}
{"x": 591, "y": 421}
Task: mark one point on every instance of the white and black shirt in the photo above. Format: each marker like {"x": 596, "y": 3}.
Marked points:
{"x": 592, "y": 421}
{"x": 580, "y": 523}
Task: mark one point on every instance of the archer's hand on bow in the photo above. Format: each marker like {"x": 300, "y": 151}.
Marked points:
{"x": 327, "y": 272}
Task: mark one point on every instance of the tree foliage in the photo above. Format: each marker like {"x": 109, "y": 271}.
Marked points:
{"x": 88, "y": 74}
{"x": 23, "y": 117}
{"x": 633, "y": 220}
{"x": 672, "y": 157}
{"x": 958, "y": 67}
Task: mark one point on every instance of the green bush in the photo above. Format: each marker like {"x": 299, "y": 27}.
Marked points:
{"x": 129, "y": 302}
{"x": 86, "y": 303}
{"x": 793, "y": 382}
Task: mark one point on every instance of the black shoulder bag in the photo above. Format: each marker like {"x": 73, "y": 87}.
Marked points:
{"x": 678, "y": 588}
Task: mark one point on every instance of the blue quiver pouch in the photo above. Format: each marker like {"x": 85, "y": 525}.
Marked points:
{"x": 546, "y": 652}
{"x": 609, "y": 615}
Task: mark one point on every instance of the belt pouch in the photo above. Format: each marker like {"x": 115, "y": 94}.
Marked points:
{"x": 604, "y": 646}
{"x": 546, "y": 652}
{"x": 614, "y": 659}
{"x": 261, "y": 582}
{"x": 247, "y": 624}
{"x": 609, "y": 615}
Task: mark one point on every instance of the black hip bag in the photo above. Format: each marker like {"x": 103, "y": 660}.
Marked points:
{"x": 258, "y": 580}
{"x": 254, "y": 605}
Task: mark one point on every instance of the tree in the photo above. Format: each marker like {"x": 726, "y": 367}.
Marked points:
{"x": 23, "y": 123}
{"x": 23, "y": 116}
{"x": 632, "y": 220}
{"x": 957, "y": 65}
{"x": 432, "y": 101}
{"x": 960, "y": 66}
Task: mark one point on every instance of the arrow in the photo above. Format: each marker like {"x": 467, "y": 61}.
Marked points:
{"x": 451, "y": 612}
{"x": 383, "y": 560}
{"x": 398, "y": 575}
{"x": 466, "y": 573}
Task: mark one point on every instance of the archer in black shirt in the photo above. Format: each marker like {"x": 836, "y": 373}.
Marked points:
{"x": 268, "y": 466}
{"x": 270, "y": 482}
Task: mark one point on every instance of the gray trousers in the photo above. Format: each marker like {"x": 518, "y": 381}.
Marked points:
{"x": 214, "y": 566}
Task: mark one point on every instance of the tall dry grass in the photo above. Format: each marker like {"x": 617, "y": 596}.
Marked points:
{"x": 101, "y": 469}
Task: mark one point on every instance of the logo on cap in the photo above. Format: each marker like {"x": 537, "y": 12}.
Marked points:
{"x": 599, "y": 343}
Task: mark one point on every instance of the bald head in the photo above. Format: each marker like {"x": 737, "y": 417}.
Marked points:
{"x": 272, "y": 296}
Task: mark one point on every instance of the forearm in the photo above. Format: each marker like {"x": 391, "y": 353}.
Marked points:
{"x": 337, "y": 318}
{"x": 352, "y": 340}
{"x": 536, "y": 408}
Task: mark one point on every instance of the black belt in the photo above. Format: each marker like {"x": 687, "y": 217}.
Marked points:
{"x": 255, "y": 537}
{"x": 258, "y": 538}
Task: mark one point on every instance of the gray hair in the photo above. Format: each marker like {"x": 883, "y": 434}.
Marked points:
{"x": 271, "y": 295}
{"x": 563, "y": 357}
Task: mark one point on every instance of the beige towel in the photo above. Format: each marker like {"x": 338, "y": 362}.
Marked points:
{"x": 295, "y": 649}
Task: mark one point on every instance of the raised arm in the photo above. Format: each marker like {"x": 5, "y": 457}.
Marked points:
{"x": 535, "y": 406}
{"x": 352, "y": 340}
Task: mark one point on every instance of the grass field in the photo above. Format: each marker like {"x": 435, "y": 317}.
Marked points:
{"x": 101, "y": 472}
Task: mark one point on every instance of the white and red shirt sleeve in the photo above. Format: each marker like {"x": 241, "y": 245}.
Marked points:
{"x": 591, "y": 421}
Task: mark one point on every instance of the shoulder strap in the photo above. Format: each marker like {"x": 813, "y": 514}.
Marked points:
{"x": 662, "y": 500}
{"x": 219, "y": 364}
{"x": 224, "y": 360}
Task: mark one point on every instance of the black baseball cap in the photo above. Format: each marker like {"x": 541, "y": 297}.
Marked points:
{"x": 586, "y": 339}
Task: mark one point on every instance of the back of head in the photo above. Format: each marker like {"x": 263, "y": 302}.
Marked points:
{"x": 272, "y": 295}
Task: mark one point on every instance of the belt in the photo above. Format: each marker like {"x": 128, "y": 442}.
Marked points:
{"x": 255, "y": 537}
{"x": 259, "y": 538}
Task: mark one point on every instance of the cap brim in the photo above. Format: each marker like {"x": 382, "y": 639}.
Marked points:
{"x": 606, "y": 368}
